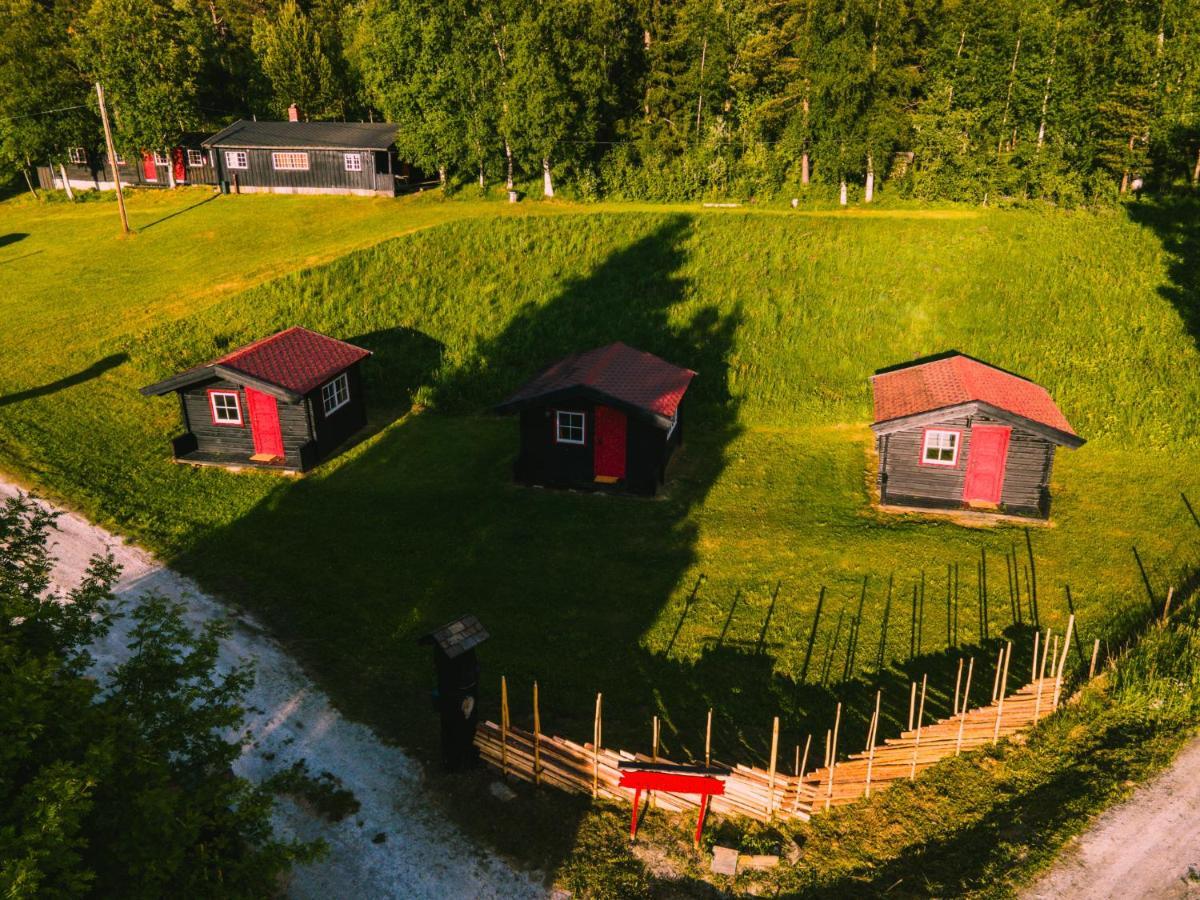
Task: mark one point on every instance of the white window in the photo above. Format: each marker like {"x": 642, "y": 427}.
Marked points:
{"x": 353, "y": 162}
{"x": 120, "y": 160}
{"x": 161, "y": 158}
{"x": 225, "y": 407}
{"x": 195, "y": 159}
{"x": 77, "y": 155}
{"x": 236, "y": 159}
{"x": 940, "y": 448}
{"x": 290, "y": 162}
{"x": 336, "y": 394}
{"x": 568, "y": 427}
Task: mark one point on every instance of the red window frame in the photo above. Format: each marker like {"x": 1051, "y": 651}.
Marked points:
{"x": 958, "y": 444}
{"x": 554, "y": 424}
{"x": 212, "y": 408}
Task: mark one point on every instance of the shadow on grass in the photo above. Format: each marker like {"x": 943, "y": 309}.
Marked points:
{"x": 12, "y": 237}
{"x": 95, "y": 370}
{"x": 1175, "y": 219}
{"x": 180, "y": 212}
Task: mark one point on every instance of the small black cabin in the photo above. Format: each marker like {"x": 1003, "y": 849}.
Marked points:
{"x": 88, "y": 168}
{"x": 609, "y": 418}
{"x": 284, "y": 402}
{"x": 955, "y": 432}
{"x": 307, "y": 158}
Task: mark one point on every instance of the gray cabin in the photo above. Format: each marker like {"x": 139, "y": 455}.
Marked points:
{"x": 284, "y": 402}
{"x": 957, "y": 433}
{"x": 296, "y": 157}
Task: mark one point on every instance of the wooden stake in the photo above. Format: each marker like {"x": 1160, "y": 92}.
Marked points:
{"x": 596, "y": 747}
{"x": 503, "y": 725}
{"x": 828, "y": 745}
{"x": 999, "y": 666}
{"x": 912, "y": 704}
{"x": 1167, "y": 605}
{"x": 771, "y": 771}
{"x": 957, "y": 685}
{"x": 966, "y": 705}
{"x": 1063, "y": 661}
{"x": 1003, "y": 691}
{"x": 537, "y": 738}
{"x": 800, "y": 774}
{"x": 837, "y": 721}
{"x": 871, "y": 733}
{"x": 920, "y": 718}
{"x": 1041, "y": 678}
{"x": 708, "y": 740}
{"x": 1095, "y": 654}
{"x": 654, "y": 757}
{"x": 1036, "y": 635}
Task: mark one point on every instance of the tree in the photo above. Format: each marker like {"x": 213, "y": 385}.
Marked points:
{"x": 291, "y": 54}
{"x": 150, "y": 56}
{"x": 126, "y": 790}
{"x": 41, "y": 92}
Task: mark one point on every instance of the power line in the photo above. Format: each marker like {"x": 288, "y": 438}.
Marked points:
{"x": 47, "y": 112}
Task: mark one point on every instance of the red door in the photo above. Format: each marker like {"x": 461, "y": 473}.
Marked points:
{"x": 149, "y": 170}
{"x": 985, "y": 464}
{"x": 179, "y": 170}
{"x": 609, "y": 453}
{"x": 264, "y": 423}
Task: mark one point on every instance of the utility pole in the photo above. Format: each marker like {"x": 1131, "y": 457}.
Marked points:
{"x": 112, "y": 158}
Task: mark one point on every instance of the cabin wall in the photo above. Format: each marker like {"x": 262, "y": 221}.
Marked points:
{"x": 96, "y": 174}
{"x": 332, "y": 430}
{"x": 904, "y": 481}
{"x": 238, "y": 440}
{"x": 326, "y": 173}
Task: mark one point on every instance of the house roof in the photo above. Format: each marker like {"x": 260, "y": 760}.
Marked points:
{"x": 956, "y": 380}
{"x": 288, "y": 364}
{"x": 305, "y": 135}
{"x": 618, "y": 373}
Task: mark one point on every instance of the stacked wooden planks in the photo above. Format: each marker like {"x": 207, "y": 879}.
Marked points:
{"x": 575, "y": 768}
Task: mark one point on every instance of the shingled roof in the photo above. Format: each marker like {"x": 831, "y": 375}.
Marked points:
{"x": 305, "y": 135}
{"x": 288, "y": 364}
{"x": 957, "y": 380}
{"x": 617, "y": 373}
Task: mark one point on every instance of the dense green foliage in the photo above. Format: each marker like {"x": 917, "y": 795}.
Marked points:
{"x": 90, "y": 777}
{"x": 981, "y": 100}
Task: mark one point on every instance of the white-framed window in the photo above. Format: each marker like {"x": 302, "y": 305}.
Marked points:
{"x": 569, "y": 427}
{"x": 195, "y": 159}
{"x": 336, "y": 394}
{"x": 120, "y": 159}
{"x": 77, "y": 155}
{"x": 353, "y": 162}
{"x": 161, "y": 158}
{"x": 236, "y": 159}
{"x": 940, "y": 448}
{"x": 290, "y": 162}
{"x": 226, "y": 410}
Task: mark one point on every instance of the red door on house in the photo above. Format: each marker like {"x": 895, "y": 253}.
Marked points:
{"x": 985, "y": 464}
{"x": 178, "y": 169}
{"x": 264, "y": 423}
{"x": 609, "y": 452}
{"x": 149, "y": 170}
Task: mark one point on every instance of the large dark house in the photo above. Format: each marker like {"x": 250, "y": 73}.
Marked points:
{"x": 284, "y": 402}
{"x": 955, "y": 432}
{"x": 307, "y": 158}
{"x": 88, "y": 168}
{"x": 605, "y": 419}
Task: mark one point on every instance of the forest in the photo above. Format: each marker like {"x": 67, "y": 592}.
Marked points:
{"x": 1071, "y": 101}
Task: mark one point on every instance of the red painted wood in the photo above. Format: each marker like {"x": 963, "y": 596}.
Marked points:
{"x": 264, "y": 422}
{"x": 633, "y": 823}
{"x": 672, "y": 782}
{"x": 700, "y": 819}
{"x": 984, "y": 481}
{"x": 178, "y": 166}
{"x": 609, "y": 453}
{"x": 149, "y": 170}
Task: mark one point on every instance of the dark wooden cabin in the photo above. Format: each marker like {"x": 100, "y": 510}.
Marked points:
{"x": 307, "y": 158}
{"x": 957, "y": 433}
{"x": 606, "y": 419}
{"x": 88, "y": 168}
{"x": 284, "y": 402}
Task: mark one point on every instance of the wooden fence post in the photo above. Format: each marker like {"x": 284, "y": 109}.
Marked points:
{"x": 1063, "y": 661}
{"x": 966, "y": 707}
{"x": 596, "y": 748}
{"x": 1095, "y": 654}
{"x": 1003, "y": 691}
{"x": 1167, "y": 605}
{"x": 871, "y": 733}
{"x": 503, "y": 725}
{"x": 920, "y": 718}
{"x": 1041, "y": 677}
{"x": 537, "y": 738}
{"x": 999, "y": 666}
{"x": 708, "y": 740}
{"x": 837, "y": 721}
{"x": 957, "y": 685}
{"x": 771, "y": 772}
{"x": 912, "y": 704}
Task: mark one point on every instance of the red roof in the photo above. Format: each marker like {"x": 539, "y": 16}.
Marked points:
{"x": 629, "y": 376}
{"x": 959, "y": 379}
{"x": 296, "y": 360}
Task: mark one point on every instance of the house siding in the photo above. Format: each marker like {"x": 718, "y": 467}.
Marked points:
{"x": 903, "y": 480}
{"x": 326, "y": 172}
{"x": 239, "y": 440}
{"x": 335, "y": 428}
{"x": 96, "y": 173}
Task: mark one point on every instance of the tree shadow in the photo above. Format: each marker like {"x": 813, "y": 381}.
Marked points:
{"x": 12, "y": 237}
{"x": 1175, "y": 219}
{"x": 95, "y": 370}
{"x": 180, "y": 212}
{"x": 404, "y": 360}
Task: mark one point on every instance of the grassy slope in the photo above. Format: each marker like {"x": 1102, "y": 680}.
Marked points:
{"x": 783, "y": 315}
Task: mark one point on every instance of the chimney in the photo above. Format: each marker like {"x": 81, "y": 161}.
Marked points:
{"x": 293, "y": 113}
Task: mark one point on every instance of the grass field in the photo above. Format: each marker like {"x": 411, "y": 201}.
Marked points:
{"x": 703, "y": 597}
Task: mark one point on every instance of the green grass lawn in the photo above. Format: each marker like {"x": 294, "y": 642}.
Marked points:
{"x": 702, "y": 597}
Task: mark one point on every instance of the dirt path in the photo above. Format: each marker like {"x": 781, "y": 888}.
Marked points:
{"x": 1141, "y": 849}
{"x": 420, "y": 855}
